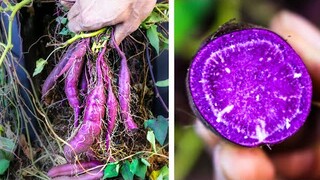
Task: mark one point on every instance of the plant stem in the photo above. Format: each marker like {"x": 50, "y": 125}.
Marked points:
{"x": 9, "y": 45}
{"x": 154, "y": 81}
{"x": 83, "y": 35}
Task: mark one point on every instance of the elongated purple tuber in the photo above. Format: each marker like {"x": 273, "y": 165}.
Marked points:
{"x": 75, "y": 51}
{"x": 249, "y": 86}
{"x": 124, "y": 91}
{"x": 71, "y": 88}
{"x": 71, "y": 169}
{"x": 112, "y": 103}
{"x": 92, "y": 118}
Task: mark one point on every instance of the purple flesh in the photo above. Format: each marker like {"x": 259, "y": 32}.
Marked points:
{"x": 250, "y": 87}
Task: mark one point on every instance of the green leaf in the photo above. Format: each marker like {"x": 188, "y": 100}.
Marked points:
{"x": 163, "y": 83}
{"x": 1, "y": 129}
{"x": 141, "y": 170}
{"x": 162, "y": 174}
{"x": 65, "y": 31}
{"x": 4, "y": 164}
{"x": 134, "y": 165}
{"x": 151, "y": 139}
{"x": 62, "y": 20}
{"x": 153, "y": 37}
{"x": 111, "y": 170}
{"x": 155, "y": 18}
{"x": 144, "y": 161}
{"x": 125, "y": 171}
{"x": 160, "y": 128}
{"x": 138, "y": 168}
{"x": 7, "y": 144}
{"x": 164, "y": 42}
{"x": 39, "y": 66}
{"x": 164, "y": 171}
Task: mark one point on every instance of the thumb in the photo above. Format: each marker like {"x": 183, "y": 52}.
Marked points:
{"x": 140, "y": 11}
{"x": 124, "y": 29}
{"x": 240, "y": 163}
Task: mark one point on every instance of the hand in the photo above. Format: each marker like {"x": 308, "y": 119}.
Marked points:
{"x": 127, "y": 15}
{"x": 300, "y": 154}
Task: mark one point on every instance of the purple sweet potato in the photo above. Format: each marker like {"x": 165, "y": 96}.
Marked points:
{"x": 112, "y": 110}
{"x": 112, "y": 103}
{"x": 79, "y": 53}
{"x": 71, "y": 88}
{"x": 107, "y": 78}
{"x": 249, "y": 86}
{"x": 74, "y": 52}
{"x": 124, "y": 91}
{"x": 94, "y": 112}
{"x": 53, "y": 76}
{"x": 71, "y": 169}
{"x": 83, "y": 86}
{"x": 92, "y": 175}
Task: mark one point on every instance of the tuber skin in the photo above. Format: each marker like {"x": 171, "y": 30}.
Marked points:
{"x": 71, "y": 169}
{"x": 249, "y": 86}
{"x": 94, "y": 112}
{"x": 53, "y": 76}
{"x": 92, "y": 175}
{"x": 83, "y": 86}
{"x": 79, "y": 53}
{"x": 71, "y": 88}
{"x": 74, "y": 52}
{"x": 112, "y": 103}
{"x": 124, "y": 91}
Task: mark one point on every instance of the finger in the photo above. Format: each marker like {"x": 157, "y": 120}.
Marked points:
{"x": 124, "y": 29}
{"x": 207, "y": 135}
{"x": 87, "y": 15}
{"x": 67, "y": 3}
{"x": 74, "y": 11}
{"x": 300, "y": 162}
{"x": 295, "y": 165}
{"x": 74, "y": 24}
{"x": 316, "y": 168}
{"x": 234, "y": 162}
{"x": 304, "y": 38}
{"x": 141, "y": 10}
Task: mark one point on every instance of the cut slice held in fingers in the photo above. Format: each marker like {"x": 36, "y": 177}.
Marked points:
{"x": 249, "y": 86}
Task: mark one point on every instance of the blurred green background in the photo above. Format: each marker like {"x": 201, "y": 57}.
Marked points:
{"x": 194, "y": 21}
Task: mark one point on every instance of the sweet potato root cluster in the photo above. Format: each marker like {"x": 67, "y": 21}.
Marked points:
{"x": 101, "y": 103}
